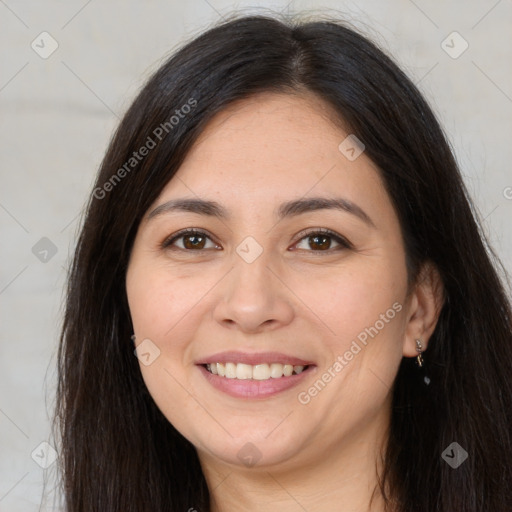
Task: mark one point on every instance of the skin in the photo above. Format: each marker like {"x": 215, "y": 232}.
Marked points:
{"x": 302, "y": 298}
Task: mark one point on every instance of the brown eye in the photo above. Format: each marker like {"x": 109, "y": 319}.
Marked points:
{"x": 321, "y": 241}
{"x": 190, "y": 241}
{"x": 194, "y": 241}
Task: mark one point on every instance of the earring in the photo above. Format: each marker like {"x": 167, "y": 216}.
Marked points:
{"x": 419, "y": 349}
{"x": 133, "y": 338}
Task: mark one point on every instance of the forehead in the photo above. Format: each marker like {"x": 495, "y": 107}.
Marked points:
{"x": 269, "y": 132}
{"x": 270, "y": 147}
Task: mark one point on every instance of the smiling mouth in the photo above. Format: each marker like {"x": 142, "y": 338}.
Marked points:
{"x": 265, "y": 371}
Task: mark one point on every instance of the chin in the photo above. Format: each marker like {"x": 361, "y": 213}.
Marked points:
{"x": 250, "y": 450}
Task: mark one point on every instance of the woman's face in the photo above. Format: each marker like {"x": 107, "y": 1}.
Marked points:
{"x": 297, "y": 266}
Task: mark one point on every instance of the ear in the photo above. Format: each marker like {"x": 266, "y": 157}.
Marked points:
{"x": 425, "y": 304}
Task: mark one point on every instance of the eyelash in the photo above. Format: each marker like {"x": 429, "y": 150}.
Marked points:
{"x": 343, "y": 242}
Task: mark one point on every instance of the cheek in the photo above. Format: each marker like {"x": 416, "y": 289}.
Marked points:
{"x": 362, "y": 308}
{"x": 349, "y": 300}
{"x": 158, "y": 299}
{"x": 160, "y": 306}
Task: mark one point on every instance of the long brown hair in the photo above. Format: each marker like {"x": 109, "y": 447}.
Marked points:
{"x": 118, "y": 451}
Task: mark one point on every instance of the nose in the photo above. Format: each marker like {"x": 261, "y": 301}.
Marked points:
{"x": 253, "y": 299}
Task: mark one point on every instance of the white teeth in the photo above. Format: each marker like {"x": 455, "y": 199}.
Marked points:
{"x": 257, "y": 372}
{"x": 243, "y": 371}
{"x": 287, "y": 370}
{"x": 261, "y": 372}
{"x": 231, "y": 370}
{"x": 276, "y": 370}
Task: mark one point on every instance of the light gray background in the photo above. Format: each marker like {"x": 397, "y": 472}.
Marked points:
{"x": 57, "y": 115}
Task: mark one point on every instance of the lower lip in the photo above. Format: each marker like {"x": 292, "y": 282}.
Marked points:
{"x": 250, "y": 388}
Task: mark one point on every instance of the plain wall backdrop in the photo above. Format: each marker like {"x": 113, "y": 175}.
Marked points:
{"x": 68, "y": 72}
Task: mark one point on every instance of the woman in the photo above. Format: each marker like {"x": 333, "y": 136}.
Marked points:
{"x": 280, "y": 234}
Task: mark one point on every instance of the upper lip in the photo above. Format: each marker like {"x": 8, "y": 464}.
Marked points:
{"x": 253, "y": 359}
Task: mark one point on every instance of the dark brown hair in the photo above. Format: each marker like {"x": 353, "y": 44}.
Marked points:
{"x": 118, "y": 451}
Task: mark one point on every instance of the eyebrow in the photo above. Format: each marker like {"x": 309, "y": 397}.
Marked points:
{"x": 287, "y": 209}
